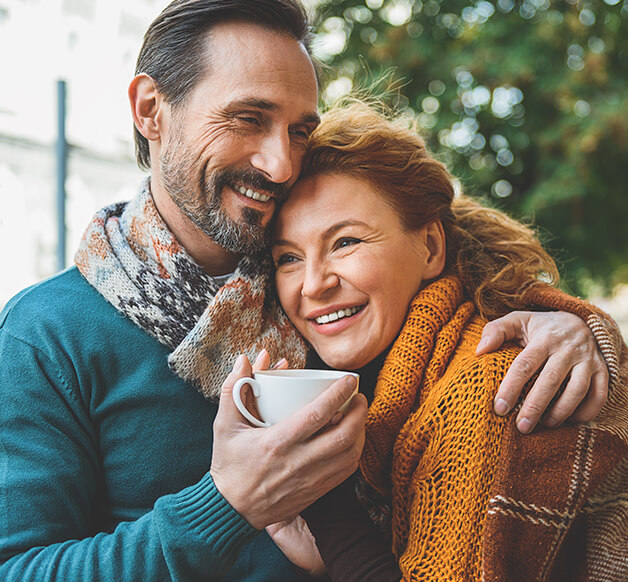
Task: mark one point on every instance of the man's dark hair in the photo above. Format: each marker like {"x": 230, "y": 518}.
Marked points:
{"x": 175, "y": 57}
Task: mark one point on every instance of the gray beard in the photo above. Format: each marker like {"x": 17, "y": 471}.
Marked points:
{"x": 203, "y": 206}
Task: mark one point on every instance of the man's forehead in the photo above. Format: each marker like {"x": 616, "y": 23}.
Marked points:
{"x": 238, "y": 41}
{"x": 268, "y": 69}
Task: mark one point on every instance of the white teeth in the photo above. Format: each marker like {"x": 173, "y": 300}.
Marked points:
{"x": 249, "y": 193}
{"x": 340, "y": 314}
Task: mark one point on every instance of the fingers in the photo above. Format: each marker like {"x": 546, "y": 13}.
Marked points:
{"x": 574, "y": 392}
{"x": 495, "y": 333}
{"x": 521, "y": 370}
{"x": 271, "y": 474}
{"x": 281, "y": 364}
{"x": 337, "y": 449}
{"x": 313, "y": 417}
{"x": 545, "y": 387}
{"x": 595, "y": 399}
{"x": 227, "y": 411}
{"x": 262, "y": 361}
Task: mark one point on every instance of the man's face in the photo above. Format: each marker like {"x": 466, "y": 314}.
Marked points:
{"x": 235, "y": 145}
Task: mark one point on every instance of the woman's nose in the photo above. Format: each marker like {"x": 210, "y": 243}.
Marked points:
{"x": 318, "y": 280}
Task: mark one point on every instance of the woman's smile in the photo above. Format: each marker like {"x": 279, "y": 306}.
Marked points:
{"x": 334, "y": 320}
{"x": 346, "y": 268}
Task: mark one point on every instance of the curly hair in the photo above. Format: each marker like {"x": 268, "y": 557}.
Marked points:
{"x": 496, "y": 258}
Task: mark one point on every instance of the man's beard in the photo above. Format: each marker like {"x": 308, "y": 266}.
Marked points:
{"x": 203, "y": 204}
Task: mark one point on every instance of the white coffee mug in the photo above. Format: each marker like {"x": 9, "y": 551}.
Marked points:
{"x": 280, "y": 393}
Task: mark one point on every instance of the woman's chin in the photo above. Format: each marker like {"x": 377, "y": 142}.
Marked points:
{"x": 348, "y": 362}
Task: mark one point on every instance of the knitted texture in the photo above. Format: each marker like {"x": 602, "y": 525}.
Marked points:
{"x": 471, "y": 496}
{"x": 129, "y": 256}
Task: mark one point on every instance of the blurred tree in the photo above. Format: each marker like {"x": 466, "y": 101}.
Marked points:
{"x": 526, "y": 101}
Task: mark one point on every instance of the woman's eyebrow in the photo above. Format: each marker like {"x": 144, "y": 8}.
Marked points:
{"x": 340, "y": 225}
{"x": 333, "y": 229}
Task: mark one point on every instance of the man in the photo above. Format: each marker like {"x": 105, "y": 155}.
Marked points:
{"x": 108, "y": 466}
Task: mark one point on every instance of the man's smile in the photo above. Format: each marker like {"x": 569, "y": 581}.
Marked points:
{"x": 253, "y": 194}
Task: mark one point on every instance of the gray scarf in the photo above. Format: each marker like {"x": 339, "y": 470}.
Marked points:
{"x": 131, "y": 258}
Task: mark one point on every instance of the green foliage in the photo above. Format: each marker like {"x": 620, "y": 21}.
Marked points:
{"x": 527, "y": 101}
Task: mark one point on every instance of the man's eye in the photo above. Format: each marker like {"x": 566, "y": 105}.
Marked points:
{"x": 346, "y": 242}
{"x": 248, "y": 119}
{"x": 300, "y": 133}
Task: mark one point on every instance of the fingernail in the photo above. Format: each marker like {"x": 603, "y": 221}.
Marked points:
{"x": 280, "y": 362}
{"x": 350, "y": 381}
{"x": 501, "y": 407}
{"x": 239, "y": 362}
{"x": 482, "y": 343}
{"x": 524, "y": 425}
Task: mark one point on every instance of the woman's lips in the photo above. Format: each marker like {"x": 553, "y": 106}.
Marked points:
{"x": 336, "y": 320}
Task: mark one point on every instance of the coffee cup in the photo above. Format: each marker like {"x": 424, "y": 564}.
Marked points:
{"x": 280, "y": 393}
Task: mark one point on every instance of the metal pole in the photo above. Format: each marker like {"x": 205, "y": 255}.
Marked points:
{"x": 62, "y": 163}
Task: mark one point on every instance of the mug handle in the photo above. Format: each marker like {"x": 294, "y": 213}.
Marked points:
{"x": 237, "y": 399}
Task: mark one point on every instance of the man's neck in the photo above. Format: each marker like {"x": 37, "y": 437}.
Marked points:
{"x": 211, "y": 257}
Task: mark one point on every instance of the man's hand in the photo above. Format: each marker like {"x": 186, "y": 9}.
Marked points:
{"x": 563, "y": 346}
{"x": 270, "y": 474}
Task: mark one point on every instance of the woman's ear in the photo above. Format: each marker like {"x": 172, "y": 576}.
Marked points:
{"x": 146, "y": 104}
{"x": 434, "y": 239}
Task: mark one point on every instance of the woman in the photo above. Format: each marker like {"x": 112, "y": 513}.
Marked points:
{"x": 384, "y": 270}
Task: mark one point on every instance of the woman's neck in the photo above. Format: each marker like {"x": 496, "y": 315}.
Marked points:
{"x": 368, "y": 373}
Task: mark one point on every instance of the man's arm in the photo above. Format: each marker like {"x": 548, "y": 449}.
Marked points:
{"x": 52, "y": 486}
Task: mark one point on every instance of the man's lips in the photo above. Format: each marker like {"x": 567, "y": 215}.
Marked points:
{"x": 251, "y": 193}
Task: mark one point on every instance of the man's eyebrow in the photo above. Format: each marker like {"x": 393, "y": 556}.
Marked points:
{"x": 334, "y": 228}
{"x": 266, "y": 105}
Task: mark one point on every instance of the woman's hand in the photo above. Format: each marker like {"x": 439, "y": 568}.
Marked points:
{"x": 295, "y": 540}
{"x": 560, "y": 346}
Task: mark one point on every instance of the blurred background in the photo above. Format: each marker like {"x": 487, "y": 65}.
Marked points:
{"x": 526, "y": 101}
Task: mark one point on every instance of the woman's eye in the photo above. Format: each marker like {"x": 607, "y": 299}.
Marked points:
{"x": 285, "y": 260}
{"x": 347, "y": 241}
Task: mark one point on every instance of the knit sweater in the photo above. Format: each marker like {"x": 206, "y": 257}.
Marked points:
{"x": 472, "y": 498}
{"x": 104, "y": 453}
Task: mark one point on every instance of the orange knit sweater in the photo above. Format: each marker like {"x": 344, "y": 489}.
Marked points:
{"x": 435, "y": 445}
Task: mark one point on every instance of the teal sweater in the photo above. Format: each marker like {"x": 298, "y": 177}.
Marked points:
{"x": 104, "y": 454}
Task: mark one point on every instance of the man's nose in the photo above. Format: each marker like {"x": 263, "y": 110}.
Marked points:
{"x": 273, "y": 157}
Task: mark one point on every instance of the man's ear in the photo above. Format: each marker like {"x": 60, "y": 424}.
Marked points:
{"x": 146, "y": 104}
{"x": 437, "y": 249}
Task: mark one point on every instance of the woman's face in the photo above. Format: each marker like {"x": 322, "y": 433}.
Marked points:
{"x": 346, "y": 268}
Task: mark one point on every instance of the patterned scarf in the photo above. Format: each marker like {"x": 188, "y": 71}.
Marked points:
{"x": 131, "y": 258}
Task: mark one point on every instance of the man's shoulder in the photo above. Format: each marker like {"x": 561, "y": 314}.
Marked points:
{"x": 57, "y": 293}
{"x": 65, "y": 301}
